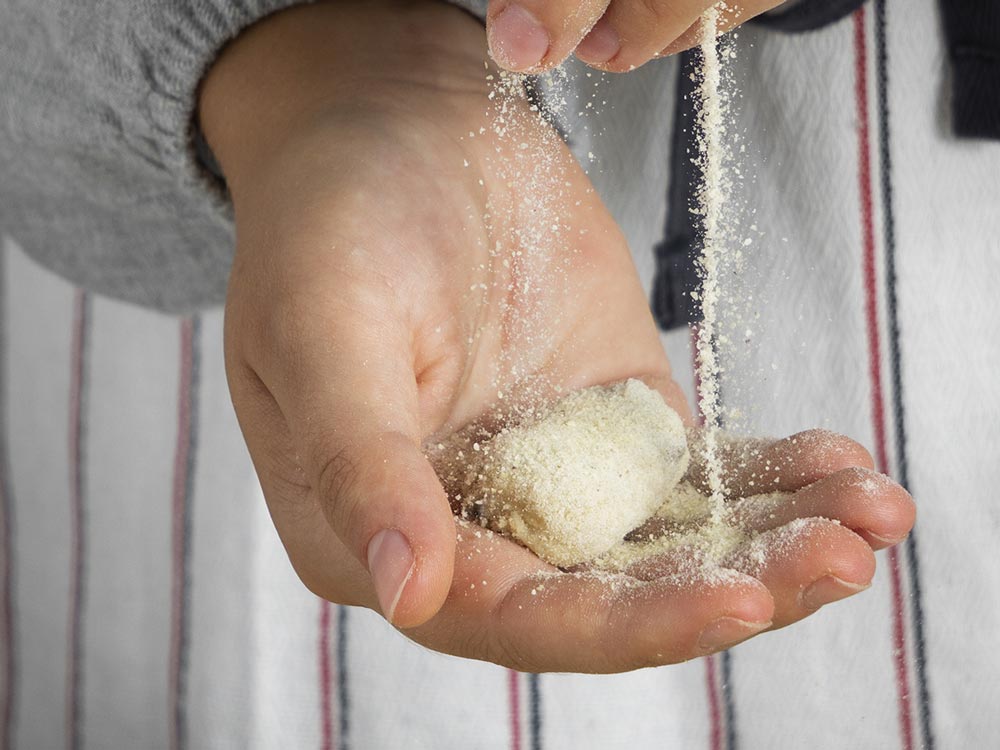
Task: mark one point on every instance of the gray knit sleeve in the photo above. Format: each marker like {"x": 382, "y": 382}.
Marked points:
{"x": 100, "y": 176}
{"x": 476, "y": 7}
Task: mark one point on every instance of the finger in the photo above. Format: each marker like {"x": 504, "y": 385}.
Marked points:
{"x": 694, "y": 35}
{"x": 533, "y": 35}
{"x": 868, "y": 503}
{"x": 508, "y": 608}
{"x": 341, "y": 373}
{"x": 806, "y": 564}
{"x": 681, "y": 555}
{"x": 663, "y": 547}
{"x": 322, "y": 562}
{"x": 632, "y": 32}
{"x": 754, "y": 466}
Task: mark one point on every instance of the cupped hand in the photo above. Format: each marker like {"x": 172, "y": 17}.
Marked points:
{"x": 811, "y": 510}
{"x": 613, "y": 35}
{"x": 412, "y": 255}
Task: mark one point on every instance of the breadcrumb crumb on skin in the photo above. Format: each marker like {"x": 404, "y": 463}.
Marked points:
{"x": 761, "y": 549}
{"x": 696, "y": 551}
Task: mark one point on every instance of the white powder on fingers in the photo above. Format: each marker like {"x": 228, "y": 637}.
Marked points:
{"x": 692, "y": 551}
{"x": 684, "y": 504}
{"x": 767, "y": 548}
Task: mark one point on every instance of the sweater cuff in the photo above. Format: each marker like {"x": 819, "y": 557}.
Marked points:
{"x": 184, "y": 40}
{"x": 191, "y": 43}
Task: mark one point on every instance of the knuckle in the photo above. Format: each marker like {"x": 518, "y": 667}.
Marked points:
{"x": 473, "y": 644}
{"x": 502, "y": 642}
{"x": 505, "y": 649}
{"x": 335, "y": 484}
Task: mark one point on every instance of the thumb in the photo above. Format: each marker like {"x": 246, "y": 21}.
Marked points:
{"x": 531, "y": 35}
{"x": 382, "y": 498}
{"x": 356, "y": 430}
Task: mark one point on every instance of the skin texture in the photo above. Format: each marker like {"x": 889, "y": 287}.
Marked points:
{"x": 362, "y": 274}
{"x": 612, "y": 35}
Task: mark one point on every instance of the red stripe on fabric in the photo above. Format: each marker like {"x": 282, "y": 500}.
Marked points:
{"x": 325, "y": 676}
{"x": 899, "y": 650}
{"x": 76, "y": 516}
{"x": 514, "y": 697}
{"x": 715, "y": 714}
{"x": 868, "y": 237}
{"x": 178, "y": 519}
{"x": 874, "y": 356}
{"x": 711, "y": 662}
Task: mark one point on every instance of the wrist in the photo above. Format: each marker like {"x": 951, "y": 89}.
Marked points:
{"x": 302, "y": 68}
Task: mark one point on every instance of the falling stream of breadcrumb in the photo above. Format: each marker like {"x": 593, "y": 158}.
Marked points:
{"x": 711, "y": 200}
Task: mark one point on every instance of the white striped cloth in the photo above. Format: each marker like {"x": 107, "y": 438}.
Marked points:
{"x": 147, "y": 602}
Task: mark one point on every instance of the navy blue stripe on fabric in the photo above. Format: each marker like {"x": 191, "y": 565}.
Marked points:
{"x": 726, "y": 658}
{"x": 343, "y": 684}
{"x": 896, "y": 366}
{"x": 728, "y": 701}
{"x": 676, "y": 254}
{"x": 535, "y": 710}
{"x": 7, "y": 522}
{"x": 78, "y": 559}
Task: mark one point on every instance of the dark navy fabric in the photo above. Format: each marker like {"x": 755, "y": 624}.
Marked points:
{"x": 676, "y": 255}
{"x": 973, "y": 31}
{"x": 676, "y": 278}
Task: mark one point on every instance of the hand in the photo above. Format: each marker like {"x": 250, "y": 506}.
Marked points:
{"x": 813, "y": 510}
{"x": 375, "y": 303}
{"x": 613, "y": 35}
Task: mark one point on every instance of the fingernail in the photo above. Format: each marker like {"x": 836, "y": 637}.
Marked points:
{"x": 517, "y": 40}
{"x": 828, "y": 589}
{"x": 600, "y": 45}
{"x": 391, "y": 563}
{"x": 728, "y": 631}
{"x": 886, "y": 540}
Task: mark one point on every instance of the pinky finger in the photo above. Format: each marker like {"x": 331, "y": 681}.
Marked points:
{"x": 807, "y": 564}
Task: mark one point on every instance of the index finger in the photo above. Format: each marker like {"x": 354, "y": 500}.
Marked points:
{"x": 752, "y": 466}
